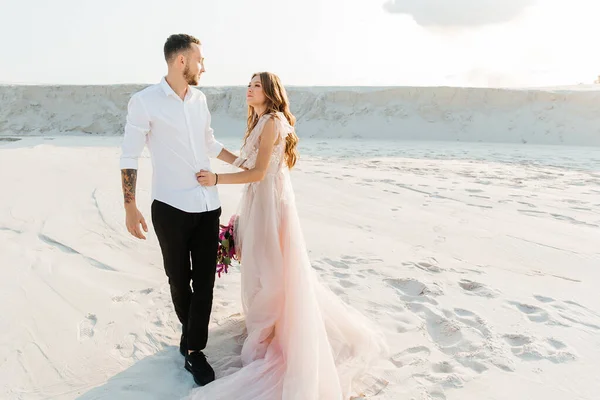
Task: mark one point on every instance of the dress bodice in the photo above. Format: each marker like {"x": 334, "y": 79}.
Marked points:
{"x": 250, "y": 148}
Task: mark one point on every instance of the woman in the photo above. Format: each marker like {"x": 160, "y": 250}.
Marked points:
{"x": 303, "y": 342}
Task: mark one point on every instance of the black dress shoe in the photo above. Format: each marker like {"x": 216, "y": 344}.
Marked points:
{"x": 199, "y": 367}
{"x": 183, "y": 345}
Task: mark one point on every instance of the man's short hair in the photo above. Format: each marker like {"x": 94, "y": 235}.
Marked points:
{"x": 178, "y": 43}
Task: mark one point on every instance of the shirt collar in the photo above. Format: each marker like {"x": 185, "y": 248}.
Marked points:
{"x": 170, "y": 92}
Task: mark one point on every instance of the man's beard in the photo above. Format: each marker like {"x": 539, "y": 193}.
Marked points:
{"x": 191, "y": 79}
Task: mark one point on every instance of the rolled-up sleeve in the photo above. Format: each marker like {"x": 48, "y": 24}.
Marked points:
{"x": 137, "y": 126}
{"x": 213, "y": 146}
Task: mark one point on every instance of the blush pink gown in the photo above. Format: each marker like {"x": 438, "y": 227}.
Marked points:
{"x": 303, "y": 342}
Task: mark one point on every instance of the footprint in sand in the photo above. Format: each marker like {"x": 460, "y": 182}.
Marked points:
{"x": 471, "y": 319}
{"x": 430, "y": 265}
{"x": 436, "y": 395}
{"x": 543, "y": 299}
{"x": 445, "y": 332}
{"x": 346, "y": 262}
{"x": 132, "y": 295}
{"x": 371, "y": 271}
{"x": 517, "y": 340}
{"x": 534, "y": 313}
{"x": 315, "y": 266}
{"x": 408, "y": 322}
{"x": 443, "y": 367}
{"x": 527, "y": 204}
{"x": 557, "y": 344}
{"x": 85, "y": 328}
{"x": 341, "y": 275}
{"x": 342, "y": 269}
{"x": 472, "y": 364}
{"x": 347, "y": 284}
{"x": 438, "y": 382}
{"x": 411, "y": 356}
{"x": 463, "y": 335}
{"x": 530, "y": 348}
{"x": 572, "y": 312}
{"x": 371, "y": 260}
{"x": 477, "y": 289}
{"x": 414, "y": 290}
{"x": 336, "y": 264}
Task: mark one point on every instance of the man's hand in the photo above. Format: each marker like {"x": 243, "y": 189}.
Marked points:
{"x": 133, "y": 216}
{"x": 133, "y": 220}
{"x": 206, "y": 178}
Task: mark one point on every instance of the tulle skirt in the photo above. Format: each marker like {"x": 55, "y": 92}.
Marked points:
{"x": 303, "y": 342}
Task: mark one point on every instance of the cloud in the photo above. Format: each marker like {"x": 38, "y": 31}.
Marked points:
{"x": 458, "y": 13}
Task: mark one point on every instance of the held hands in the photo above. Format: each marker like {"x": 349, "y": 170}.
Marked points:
{"x": 206, "y": 178}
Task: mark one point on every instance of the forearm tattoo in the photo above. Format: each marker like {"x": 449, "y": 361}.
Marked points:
{"x": 128, "y": 179}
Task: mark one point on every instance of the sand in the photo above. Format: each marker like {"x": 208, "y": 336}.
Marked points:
{"x": 479, "y": 261}
{"x": 567, "y": 115}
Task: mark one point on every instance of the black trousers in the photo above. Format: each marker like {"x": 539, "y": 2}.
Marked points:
{"x": 183, "y": 237}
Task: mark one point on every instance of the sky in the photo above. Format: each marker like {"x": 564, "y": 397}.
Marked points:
{"x": 483, "y": 43}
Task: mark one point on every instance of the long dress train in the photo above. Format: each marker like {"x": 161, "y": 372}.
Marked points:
{"x": 303, "y": 342}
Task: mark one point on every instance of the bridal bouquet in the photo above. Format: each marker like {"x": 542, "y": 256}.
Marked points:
{"x": 226, "y": 251}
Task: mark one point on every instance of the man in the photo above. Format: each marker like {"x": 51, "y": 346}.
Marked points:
{"x": 173, "y": 120}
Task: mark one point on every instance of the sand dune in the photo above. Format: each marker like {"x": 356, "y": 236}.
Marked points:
{"x": 544, "y": 116}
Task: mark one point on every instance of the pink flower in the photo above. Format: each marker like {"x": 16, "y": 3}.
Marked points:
{"x": 226, "y": 249}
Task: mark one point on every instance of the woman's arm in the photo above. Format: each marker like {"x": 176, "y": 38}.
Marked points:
{"x": 227, "y": 156}
{"x": 265, "y": 149}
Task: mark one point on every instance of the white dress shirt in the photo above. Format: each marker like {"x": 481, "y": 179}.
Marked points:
{"x": 180, "y": 140}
